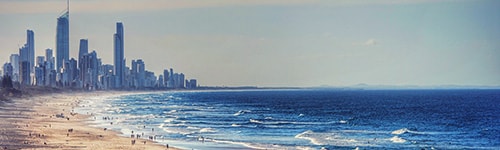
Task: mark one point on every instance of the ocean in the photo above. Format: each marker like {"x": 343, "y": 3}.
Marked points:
{"x": 306, "y": 118}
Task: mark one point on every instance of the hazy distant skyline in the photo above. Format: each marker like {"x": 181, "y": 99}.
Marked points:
{"x": 279, "y": 43}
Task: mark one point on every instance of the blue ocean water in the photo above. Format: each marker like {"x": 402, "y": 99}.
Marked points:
{"x": 308, "y": 119}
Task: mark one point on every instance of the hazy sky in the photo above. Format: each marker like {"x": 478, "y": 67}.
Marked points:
{"x": 279, "y": 42}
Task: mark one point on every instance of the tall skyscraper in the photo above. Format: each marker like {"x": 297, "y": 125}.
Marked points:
{"x": 62, "y": 39}
{"x": 119, "y": 56}
{"x": 30, "y": 45}
{"x": 84, "y": 49}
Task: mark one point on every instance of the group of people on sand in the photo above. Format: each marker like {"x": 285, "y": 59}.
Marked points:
{"x": 34, "y": 135}
{"x": 137, "y": 136}
{"x": 134, "y": 137}
{"x": 133, "y": 142}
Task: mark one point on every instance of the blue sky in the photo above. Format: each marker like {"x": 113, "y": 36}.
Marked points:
{"x": 280, "y": 43}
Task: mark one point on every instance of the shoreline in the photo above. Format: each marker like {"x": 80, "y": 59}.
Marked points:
{"x": 47, "y": 121}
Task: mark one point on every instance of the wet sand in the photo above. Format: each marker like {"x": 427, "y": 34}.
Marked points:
{"x": 48, "y": 122}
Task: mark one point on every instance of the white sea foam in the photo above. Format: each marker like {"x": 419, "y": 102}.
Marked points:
{"x": 308, "y": 136}
{"x": 256, "y": 145}
{"x": 168, "y": 120}
{"x": 191, "y": 127}
{"x": 241, "y": 112}
{"x": 364, "y": 131}
{"x": 406, "y": 130}
{"x": 179, "y": 131}
{"x": 400, "y": 131}
{"x": 235, "y": 125}
{"x": 332, "y": 138}
{"x": 268, "y": 121}
{"x": 207, "y": 130}
{"x": 397, "y": 139}
{"x": 255, "y": 121}
{"x": 304, "y": 148}
{"x": 343, "y": 121}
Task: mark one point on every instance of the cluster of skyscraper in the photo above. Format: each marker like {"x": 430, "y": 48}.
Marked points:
{"x": 87, "y": 72}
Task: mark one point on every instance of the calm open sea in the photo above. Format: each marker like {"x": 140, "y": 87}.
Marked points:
{"x": 308, "y": 119}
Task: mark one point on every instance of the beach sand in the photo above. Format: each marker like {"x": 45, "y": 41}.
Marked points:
{"x": 36, "y": 122}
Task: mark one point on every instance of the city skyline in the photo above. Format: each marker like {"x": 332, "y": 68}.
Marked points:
{"x": 86, "y": 72}
{"x": 300, "y": 43}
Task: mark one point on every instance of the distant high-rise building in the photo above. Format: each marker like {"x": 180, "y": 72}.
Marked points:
{"x": 23, "y": 54}
{"x": 50, "y": 72}
{"x": 40, "y": 61}
{"x": 166, "y": 75}
{"x": 40, "y": 71}
{"x": 90, "y": 70}
{"x": 62, "y": 39}
{"x": 141, "y": 73}
{"x": 170, "y": 81}
{"x": 24, "y": 66}
{"x": 119, "y": 57}
{"x": 25, "y": 73}
{"x": 8, "y": 69}
{"x": 49, "y": 59}
{"x": 51, "y": 78}
{"x": 160, "y": 81}
{"x": 63, "y": 75}
{"x": 14, "y": 61}
{"x": 133, "y": 74}
{"x": 39, "y": 76}
{"x": 181, "y": 80}
{"x": 30, "y": 45}
{"x": 178, "y": 80}
{"x": 84, "y": 49}
{"x": 49, "y": 54}
{"x": 149, "y": 79}
{"x": 191, "y": 84}
{"x": 73, "y": 71}
{"x": 107, "y": 77}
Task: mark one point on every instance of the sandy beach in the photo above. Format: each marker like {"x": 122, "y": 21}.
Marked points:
{"x": 48, "y": 122}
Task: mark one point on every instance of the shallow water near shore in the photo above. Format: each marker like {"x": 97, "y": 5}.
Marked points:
{"x": 306, "y": 119}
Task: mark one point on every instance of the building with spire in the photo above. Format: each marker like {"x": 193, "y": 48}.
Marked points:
{"x": 62, "y": 39}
